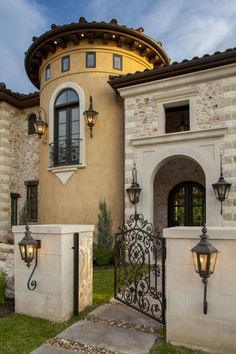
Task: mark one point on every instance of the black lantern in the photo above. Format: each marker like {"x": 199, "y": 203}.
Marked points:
{"x": 29, "y": 251}
{"x": 204, "y": 258}
{"x": 40, "y": 125}
{"x": 134, "y": 190}
{"x": 91, "y": 116}
{"x": 221, "y": 188}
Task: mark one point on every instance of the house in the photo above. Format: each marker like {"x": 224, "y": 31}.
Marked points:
{"x": 62, "y": 176}
{"x": 174, "y": 120}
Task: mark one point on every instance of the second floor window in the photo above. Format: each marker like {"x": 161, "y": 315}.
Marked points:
{"x": 117, "y": 62}
{"x": 47, "y": 72}
{"x": 90, "y": 60}
{"x": 65, "y": 63}
{"x": 31, "y": 121}
{"x": 177, "y": 119}
{"x": 65, "y": 149}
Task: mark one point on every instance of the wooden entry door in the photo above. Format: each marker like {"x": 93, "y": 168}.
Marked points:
{"x": 186, "y": 205}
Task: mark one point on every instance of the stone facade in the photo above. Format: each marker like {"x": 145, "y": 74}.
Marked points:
{"x": 212, "y": 105}
{"x": 19, "y": 158}
{"x": 7, "y": 264}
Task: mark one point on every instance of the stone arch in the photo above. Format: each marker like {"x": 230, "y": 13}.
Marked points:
{"x": 149, "y": 166}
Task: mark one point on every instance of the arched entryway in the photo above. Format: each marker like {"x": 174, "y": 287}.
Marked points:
{"x": 177, "y": 172}
{"x": 186, "y": 204}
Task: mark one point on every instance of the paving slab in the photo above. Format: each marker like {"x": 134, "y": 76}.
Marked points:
{"x": 49, "y": 349}
{"x": 124, "y": 314}
{"x": 126, "y": 341}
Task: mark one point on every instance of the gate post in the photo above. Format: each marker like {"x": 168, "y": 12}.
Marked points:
{"x": 53, "y": 297}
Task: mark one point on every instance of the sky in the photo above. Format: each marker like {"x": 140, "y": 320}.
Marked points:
{"x": 187, "y": 28}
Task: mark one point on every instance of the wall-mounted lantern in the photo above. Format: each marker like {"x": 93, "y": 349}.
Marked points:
{"x": 29, "y": 251}
{"x": 40, "y": 125}
{"x": 221, "y": 188}
{"x": 91, "y": 117}
{"x": 204, "y": 258}
{"x": 134, "y": 190}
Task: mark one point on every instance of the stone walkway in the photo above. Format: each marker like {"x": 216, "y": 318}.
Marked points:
{"x": 110, "y": 329}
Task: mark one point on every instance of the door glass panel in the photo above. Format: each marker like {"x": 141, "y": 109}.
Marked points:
{"x": 187, "y": 205}
{"x": 72, "y": 96}
{"x": 62, "y": 117}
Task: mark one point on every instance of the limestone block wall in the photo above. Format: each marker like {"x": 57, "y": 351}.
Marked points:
{"x": 53, "y": 297}
{"x": 185, "y": 322}
{"x": 7, "y": 264}
{"x": 212, "y": 105}
{"x": 19, "y": 158}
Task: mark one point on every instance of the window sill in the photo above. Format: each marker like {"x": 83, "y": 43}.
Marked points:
{"x": 65, "y": 172}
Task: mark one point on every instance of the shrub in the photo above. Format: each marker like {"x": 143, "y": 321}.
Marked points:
{"x": 9, "y": 238}
{"x": 105, "y": 236}
{"x": 3, "y": 285}
{"x": 23, "y": 217}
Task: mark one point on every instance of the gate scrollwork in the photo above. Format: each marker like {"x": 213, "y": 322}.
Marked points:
{"x": 139, "y": 267}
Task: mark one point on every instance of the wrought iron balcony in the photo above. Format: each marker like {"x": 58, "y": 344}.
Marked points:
{"x": 65, "y": 152}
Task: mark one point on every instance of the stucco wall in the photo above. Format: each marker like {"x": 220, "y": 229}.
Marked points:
{"x": 101, "y": 173}
{"x": 186, "y": 323}
{"x": 19, "y": 158}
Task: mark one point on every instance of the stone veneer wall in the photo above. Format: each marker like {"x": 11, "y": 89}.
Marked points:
{"x": 214, "y": 106}
{"x": 19, "y": 159}
{"x": 7, "y": 264}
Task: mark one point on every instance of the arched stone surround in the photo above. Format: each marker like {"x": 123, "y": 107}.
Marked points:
{"x": 151, "y": 154}
{"x": 173, "y": 172}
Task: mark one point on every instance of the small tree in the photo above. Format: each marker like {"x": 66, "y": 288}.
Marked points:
{"x": 105, "y": 236}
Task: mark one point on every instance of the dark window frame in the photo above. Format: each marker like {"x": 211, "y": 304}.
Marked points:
{"x": 94, "y": 55}
{"x": 185, "y": 109}
{"x": 188, "y": 202}
{"x": 65, "y": 150}
{"x": 48, "y": 72}
{"x": 121, "y": 61}
{"x": 62, "y": 62}
{"x": 31, "y": 187}
{"x": 31, "y": 121}
{"x": 14, "y": 208}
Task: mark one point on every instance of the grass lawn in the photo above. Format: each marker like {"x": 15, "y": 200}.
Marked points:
{"x": 21, "y": 334}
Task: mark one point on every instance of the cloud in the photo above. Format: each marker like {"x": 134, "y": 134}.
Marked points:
{"x": 19, "y": 21}
{"x": 186, "y": 28}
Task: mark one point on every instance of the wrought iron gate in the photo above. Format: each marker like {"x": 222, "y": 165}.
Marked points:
{"x": 140, "y": 267}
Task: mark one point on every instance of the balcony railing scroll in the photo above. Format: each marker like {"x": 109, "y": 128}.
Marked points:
{"x": 65, "y": 152}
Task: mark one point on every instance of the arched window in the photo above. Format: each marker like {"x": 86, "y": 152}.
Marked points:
{"x": 31, "y": 121}
{"x": 65, "y": 149}
{"x": 186, "y": 205}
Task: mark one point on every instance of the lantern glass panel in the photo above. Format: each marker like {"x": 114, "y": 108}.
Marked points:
{"x": 131, "y": 195}
{"x": 222, "y": 190}
{"x": 203, "y": 262}
{"x": 195, "y": 261}
{"x": 213, "y": 262}
{"x": 22, "y": 252}
{"x": 30, "y": 249}
{"x": 227, "y": 191}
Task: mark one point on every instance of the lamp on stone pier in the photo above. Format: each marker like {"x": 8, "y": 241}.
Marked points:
{"x": 29, "y": 251}
{"x": 204, "y": 259}
{"x": 40, "y": 125}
